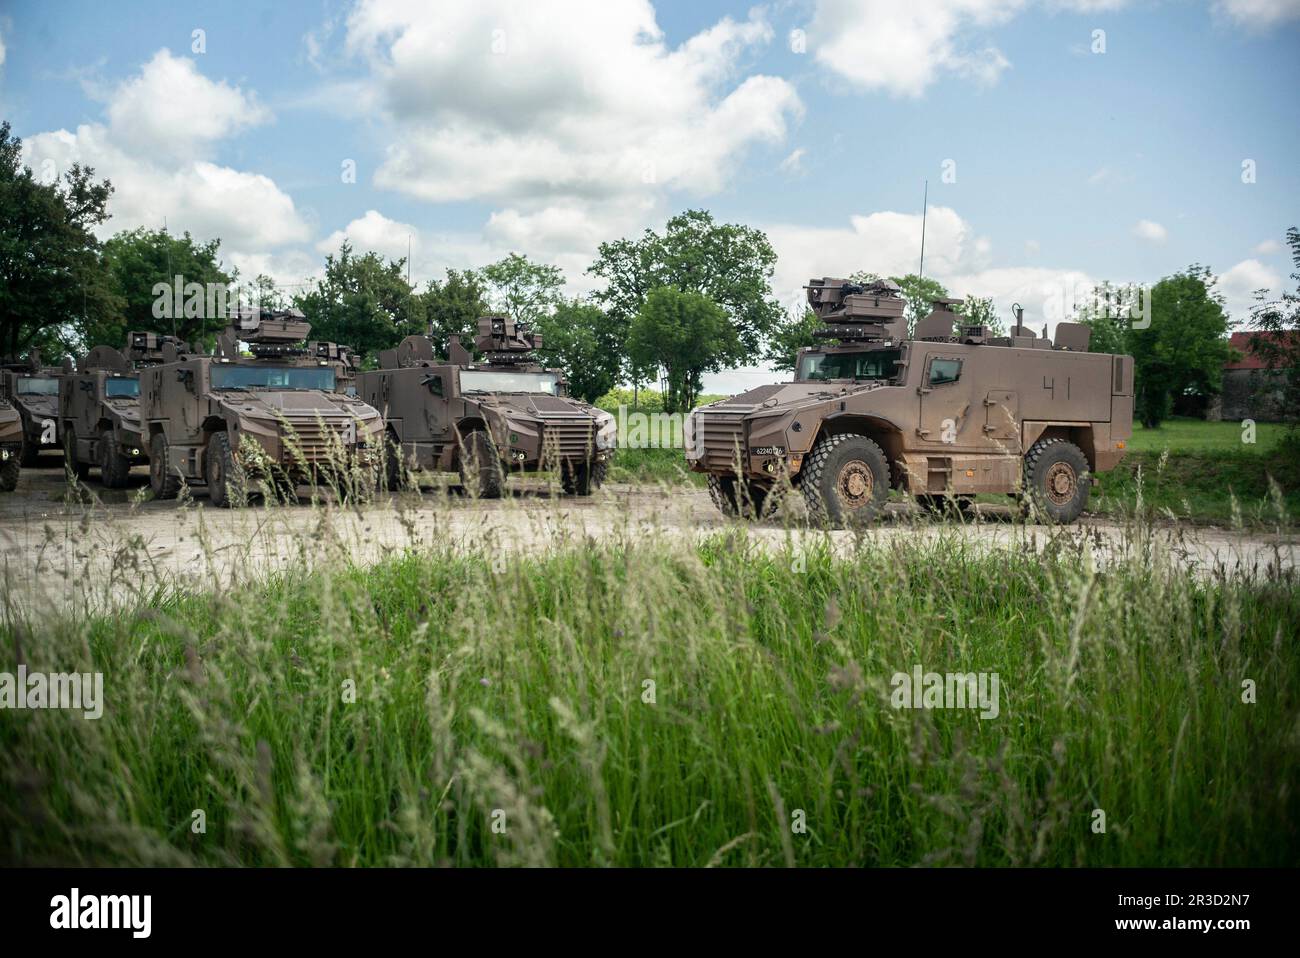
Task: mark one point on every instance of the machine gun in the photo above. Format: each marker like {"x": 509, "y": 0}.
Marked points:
{"x": 855, "y": 312}
{"x": 506, "y": 341}
{"x": 270, "y": 334}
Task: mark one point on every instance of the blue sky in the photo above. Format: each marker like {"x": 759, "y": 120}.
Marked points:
{"x": 486, "y": 127}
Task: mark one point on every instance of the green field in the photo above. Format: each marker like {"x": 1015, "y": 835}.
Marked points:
{"x": 502, "y": 714}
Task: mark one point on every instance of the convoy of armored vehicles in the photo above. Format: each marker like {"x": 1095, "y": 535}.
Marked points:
{"x": 943, "y": 413}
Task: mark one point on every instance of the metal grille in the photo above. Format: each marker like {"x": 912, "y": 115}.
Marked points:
{"x": 567, "y": 439}
{"x": 317, "y": 441}
{"x": 721, "y": 434}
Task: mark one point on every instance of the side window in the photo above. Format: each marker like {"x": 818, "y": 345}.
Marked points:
{"x": 435, "y": 384}
{"x": 944, "y": 371}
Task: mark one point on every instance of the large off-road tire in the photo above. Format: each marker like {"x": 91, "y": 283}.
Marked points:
{"x": 30, "y": 456}
{"x": 165, "y": 483}
{"x": 114, "y": 468}
{"x": 949, "y": 507}
{"x": 845, "y": 480}
{"x": 1057, "y": 481}
{"x": 395, "y": 471}
{"x": 480, "y": 467}
{"x": 737, "y": 499}
{"x": 599, "y": 473}
{"x": 576, "y": 478}
{"x": 9, "y": 470}
{"x": 74, "y": 465}
{"x": 226, "y": 478}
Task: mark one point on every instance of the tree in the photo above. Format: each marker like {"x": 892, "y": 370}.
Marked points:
{"x": 453, "y": 307}
{"x": 920, "y": 293}
{"x": 979, "y": 311}
{"x": 144, "y": 265}
{"x": 523, "y": 290}
{"x": 362, "y": 302}
{"x": 728, "y": 263}
{"x": 579, "y": 338}
{"x": 1105, "y": 317}
{"x": 794, "y": 333}
{"x": 686, "y": 334}
{"x": 1184, "y": 349}
{"x": 1279, "y": 346}
{"x": 53, "y": 285}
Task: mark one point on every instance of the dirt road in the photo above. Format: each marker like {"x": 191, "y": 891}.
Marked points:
{"x": 98, "y": 548}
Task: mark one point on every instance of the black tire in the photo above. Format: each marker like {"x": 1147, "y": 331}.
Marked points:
{"x": 845, "y": 480}
{"x": 226, "y": 479}
{"x": 165, "y": 483}
{"x": 395, "y": 472}
{"x": 951, "y": 507}
{"x": 74, "y": 465}
{"x": 734, "y": 499}
{"x": 114, "y": 468}
{"x": 30, "y": 456}
{"x": 9, "y": 470}
{"x": 480, "y": 467}
{"x": 599, "y": 473}
{"x": 576, "y": 478}
{"x": 1057, "y": 481}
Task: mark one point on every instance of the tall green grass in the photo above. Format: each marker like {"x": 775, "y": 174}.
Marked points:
{"x": 512, "y": 691}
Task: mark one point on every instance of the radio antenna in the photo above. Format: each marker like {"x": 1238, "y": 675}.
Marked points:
{"x": 925, "y": 206}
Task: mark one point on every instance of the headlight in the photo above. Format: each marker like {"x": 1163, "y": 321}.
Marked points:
{"x": 606, "y": 430}
{"x": 688, "y": 437}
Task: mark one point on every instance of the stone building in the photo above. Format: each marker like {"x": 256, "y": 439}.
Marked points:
{"x": 1250, "y": 389}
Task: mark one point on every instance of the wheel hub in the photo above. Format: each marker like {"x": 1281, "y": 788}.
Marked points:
{"x": 856, "y": 484}
{"x": 1061, "y": 482}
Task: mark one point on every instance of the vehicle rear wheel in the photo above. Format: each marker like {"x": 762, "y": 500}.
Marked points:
{"x": 1057, "y": 481}
{"x": 845, "y": 480}
{"x": 162, "y": 480}
{"x": 114, "y": 468}
{"x": 227, "y": 482}
{"x": 74, "y": 465}
{"x": 480, "y": 467}
{"x": 737, "y": 499}
{"x": 9, "y": 469}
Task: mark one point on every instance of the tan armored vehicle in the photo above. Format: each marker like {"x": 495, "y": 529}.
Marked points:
{"x": 945, "y": 415}
{"x": 33, "y": 390}
{"x": 486, "y": 419}
{"x": 11, "y": 445}
{"x": 99, "y": 408}
{"x": 247, "y": 423}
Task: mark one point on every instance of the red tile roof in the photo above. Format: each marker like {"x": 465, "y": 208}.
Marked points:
{"x": 1249, "y": 359}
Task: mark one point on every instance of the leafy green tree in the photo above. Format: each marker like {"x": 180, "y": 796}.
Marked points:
{"x": 980, "y": 311}
{"x": 362, "y": 302}
{"x": 1279, "y": 346}
{"x": 686, "y": 334}
{"x": 579, "y": 338}
{"x": 728, "y": 263}
{"x": 453, "y": 306}
{"x": 523, "y": 290}
{"x": 144, "y": 264}
{"x": 1105, "y": 317}
{"x": 789, "y": 336}
{"x": 1184, "y": 349}
{"x": 53, "y": 285}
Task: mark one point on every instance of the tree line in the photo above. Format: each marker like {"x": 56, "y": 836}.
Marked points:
{"x": 671, "y": 306}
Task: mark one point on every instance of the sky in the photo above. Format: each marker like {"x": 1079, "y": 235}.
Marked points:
{"x": 1064, "y": 142}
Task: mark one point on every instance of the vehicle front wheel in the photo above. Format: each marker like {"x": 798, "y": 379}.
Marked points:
{"x": 30, "y": 455}
{"x": 845, "y": 480}
{"x": 737, "y": 499}
{"x": 227, "y": 482}
{"x": 1057, "y": 481}
{"x": 74, "y": 465}
{"x": 480, "y": 467}
{"x": 114, "y": 468}
{"x": 577, "y": 478}
{"x": 165, "y": 483}
{"x": 9, "y": 469}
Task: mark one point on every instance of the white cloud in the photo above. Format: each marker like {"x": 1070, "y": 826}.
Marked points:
{"x": 1150, "y": 231}
{"x": 902, "y": 48}
{"x": 529, "y": 103}
{"x": 1239, "y": 284}
{"x": 170, "y": 108}
{"x": 1258, "y": 15}
{"x": 793, "y": 164}
{"x": 1267, "y": 248}
{"x": 2, "y": 51}
{"x": 161, "y": 125}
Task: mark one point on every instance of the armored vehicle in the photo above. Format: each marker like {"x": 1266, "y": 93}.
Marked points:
{"x": 11, "y": 445}
{"x": 486, "y": 419}
{"x": 33, "y": 390}
{"x": 247, "y": 423}
{"x": 943, "y": 415}
{"x": 99, "y": 408}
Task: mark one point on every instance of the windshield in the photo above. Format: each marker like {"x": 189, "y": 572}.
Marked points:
{"x": 38, "y": 387}
{"x": 272, "y": 377}
{"x": 483, "y": 380}
{"x": 876, "y": 364}
{"x": 114, "y": 387}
